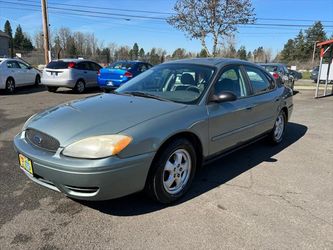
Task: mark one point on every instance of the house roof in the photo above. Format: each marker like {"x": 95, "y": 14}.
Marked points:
{"x": 3, "y": 34}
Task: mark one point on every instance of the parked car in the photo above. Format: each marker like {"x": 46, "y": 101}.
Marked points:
{"x": 16, "y": 73}
{"x": 280, "y": 70}
{"x": 77, "y": 74}
{"x": 314, "y": 74}
{"x": 118, "y": 73}
{"x": 297, "y": 75}
{"x": 155, "y": 131}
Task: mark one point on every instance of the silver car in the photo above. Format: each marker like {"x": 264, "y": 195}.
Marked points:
{"x": 77, "y": 74}
{"x": 155, "y": 131}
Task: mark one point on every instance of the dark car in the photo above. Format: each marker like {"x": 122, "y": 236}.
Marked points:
{"x": 118, "y": 73}
{"x": 155, "y": 131}
{"x": 297, "y": 75}
{"x": 314, "y": 74}
{"x": 279, "y": 70}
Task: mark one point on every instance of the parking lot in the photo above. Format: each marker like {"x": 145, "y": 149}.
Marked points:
{"x": 259, "y": 197}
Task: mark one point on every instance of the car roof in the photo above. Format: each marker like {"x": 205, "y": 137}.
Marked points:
{"x": 215, "y": 62}
{"x": 272, "y": 64}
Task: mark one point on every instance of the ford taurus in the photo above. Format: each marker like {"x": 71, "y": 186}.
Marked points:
{"x": 154, "y": 132}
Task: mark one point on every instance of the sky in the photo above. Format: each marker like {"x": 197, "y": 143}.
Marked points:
{"x": 149, "y": 33}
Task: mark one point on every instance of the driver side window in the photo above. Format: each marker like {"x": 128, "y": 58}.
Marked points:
{"x": 231, "y": 80}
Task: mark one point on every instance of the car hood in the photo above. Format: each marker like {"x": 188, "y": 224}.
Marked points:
{"x": 98, "y": 115}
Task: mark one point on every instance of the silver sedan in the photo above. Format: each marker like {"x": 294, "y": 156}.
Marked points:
{"x": 155, "y": 131}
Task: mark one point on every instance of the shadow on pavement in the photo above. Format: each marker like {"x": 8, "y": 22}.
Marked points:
{"x": 207, "y": 178}
{"x": 25, "y": 90}
{"x": 71, "y": 91}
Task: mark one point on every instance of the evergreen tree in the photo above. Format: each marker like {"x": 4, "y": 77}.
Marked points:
{"x": 249, "y": 56}
{"x": 241, "y": 53}
{"x": 179, "y": 53}
{"x": 314, "y": 34}
{"x": 142, "y": 54}
{"x": 288, "y": 51}
{"x": 299, "y": 48}
{"x": 135, "y": 51}
{"x": 18, "y": 38}
{"x": 72, "y": 50}
{"x": 203, "y": 53}
{"x": 8, "y": 30}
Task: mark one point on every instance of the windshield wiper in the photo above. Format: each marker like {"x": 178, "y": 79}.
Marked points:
{"x": 146, "y": 95}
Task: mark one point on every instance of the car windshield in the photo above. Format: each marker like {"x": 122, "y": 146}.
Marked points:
{"x": 183, "y": 83}
{"x": 121, "y": 65}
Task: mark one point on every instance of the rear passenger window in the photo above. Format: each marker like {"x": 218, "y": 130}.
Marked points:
{"x": 12, "y": 65}
{"x": 82, "y": 66}
{"x": 258, "y": 80}
{"x": 231, "y": 80}
{"x": 94, "y": 66}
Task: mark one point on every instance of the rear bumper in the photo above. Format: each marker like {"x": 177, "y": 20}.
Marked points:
{"x": 84, "y": 179}
{"x": 69, "y": 83}
{"x": 109, "y": 83}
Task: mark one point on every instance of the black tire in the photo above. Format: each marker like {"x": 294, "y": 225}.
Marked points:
{"x": 10, "y": 86}
{"x": 80, "y": 87}
{"x": 106, "y": 90}
{"x": 275, "y": 137}
{"x": 52, "y": 89}
{"x": 155, "y": 185}
{"x": 37, "y": 80}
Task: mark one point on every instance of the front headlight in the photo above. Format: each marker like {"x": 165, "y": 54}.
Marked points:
{"x": 97, "y": 146}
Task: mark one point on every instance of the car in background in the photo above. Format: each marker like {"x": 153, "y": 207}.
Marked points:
{"x": 115, "y": 75}
{"x": 297, "y": 75}
{"x": 17, "y": 73}
{"x": 314, "y": 74}
{"x": 77, "y": 74}
{"x": 280, "y": 72}
{"x": 155, "y": 131}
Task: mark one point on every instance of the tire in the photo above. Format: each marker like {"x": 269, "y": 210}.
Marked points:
{"x": 37, "y": 80}
{"x": 10, "y": 86}
{"x": 106, "y": 90}
{"x": 52, "y": 89}
{"x": 172, "y": 172}
{"x": 277, "y": 134}
{"x": 80, "y": 87}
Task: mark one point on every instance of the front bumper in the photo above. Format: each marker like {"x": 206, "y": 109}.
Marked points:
{"x": 98, "y": 179}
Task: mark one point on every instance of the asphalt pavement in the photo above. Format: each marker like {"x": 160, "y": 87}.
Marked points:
{"x": 261, "y": 197}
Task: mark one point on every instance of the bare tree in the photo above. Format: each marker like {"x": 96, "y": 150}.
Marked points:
{"x": 201, "y": 19}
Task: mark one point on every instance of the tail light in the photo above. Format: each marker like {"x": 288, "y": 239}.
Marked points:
{"x": 128, "y": 74}
{"x": 99, "y": 72}
{"x": 71, "y": 65}
{"x": 276, "y": 75}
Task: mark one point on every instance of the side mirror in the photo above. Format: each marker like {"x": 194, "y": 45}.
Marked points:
{"x": 224, "y": 96}
{"x": 29, "y": 67}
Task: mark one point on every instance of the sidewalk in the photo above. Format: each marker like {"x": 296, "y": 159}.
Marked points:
{"x": 310, "y": 85}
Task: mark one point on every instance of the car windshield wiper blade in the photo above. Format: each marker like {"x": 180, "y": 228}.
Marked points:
{"x": 142, "y": 94}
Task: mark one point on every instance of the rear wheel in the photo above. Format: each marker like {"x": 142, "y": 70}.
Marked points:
{"x": 37, "y": 80}
{"x": 172, "y": 172}
{"x": 10, "y": 86}
{"x": 52, "y": 89}
{"x": 80, "y": 86}
{"x": 277, "y": 133}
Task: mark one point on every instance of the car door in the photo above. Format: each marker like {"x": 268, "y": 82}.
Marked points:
{"x": 28, "y": 73}
{"x": 93, "y": 71}
{"x": 265, "y": 100}
{"x": 83, "y": 70}
{"x": 15, "y": 72}
{"x": 230, "y": 122}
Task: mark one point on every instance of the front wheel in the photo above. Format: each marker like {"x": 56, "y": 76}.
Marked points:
{"x": 277, "y": 133}
{"x": 37, "y": 80}
{"x": 10, "y": 86}
{"x": 172, "y": 172}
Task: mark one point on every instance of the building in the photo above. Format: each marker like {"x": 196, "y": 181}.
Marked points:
{"x": 4, "y": 44}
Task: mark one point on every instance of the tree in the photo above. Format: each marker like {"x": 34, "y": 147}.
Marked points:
{"x": 312, "y": 35}
{"x": 287, "y": 53}
{"x": 18, "y": 38}
{"x": 179, "y": 54}
{"x": 203, "y": 53}
{"x": 142, "y": 54}
{"x": 72, "y": 50}
{"x": 8, "y": 30}
{"x": 135, "y": 51}
{"x": 200, "y": 19}
{"x": 249, "y": 56}
{"x": 241, "y": 53}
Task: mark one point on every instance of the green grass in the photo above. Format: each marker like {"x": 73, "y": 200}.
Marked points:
{"x": 306, "y": 75}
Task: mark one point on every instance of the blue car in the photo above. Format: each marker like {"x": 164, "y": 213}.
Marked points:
{"x": 118, "y": 73}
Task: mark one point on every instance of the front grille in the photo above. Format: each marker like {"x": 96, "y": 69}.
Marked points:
{"x": 42, "y": 140}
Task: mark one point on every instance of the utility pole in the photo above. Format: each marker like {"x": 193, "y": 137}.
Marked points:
{"x": 46, "y": 32}
{"x": 314, "y": 51}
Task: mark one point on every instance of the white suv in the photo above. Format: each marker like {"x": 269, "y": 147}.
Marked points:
{"x": 76, "y": 74}
{"x": 16, "y": 73}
